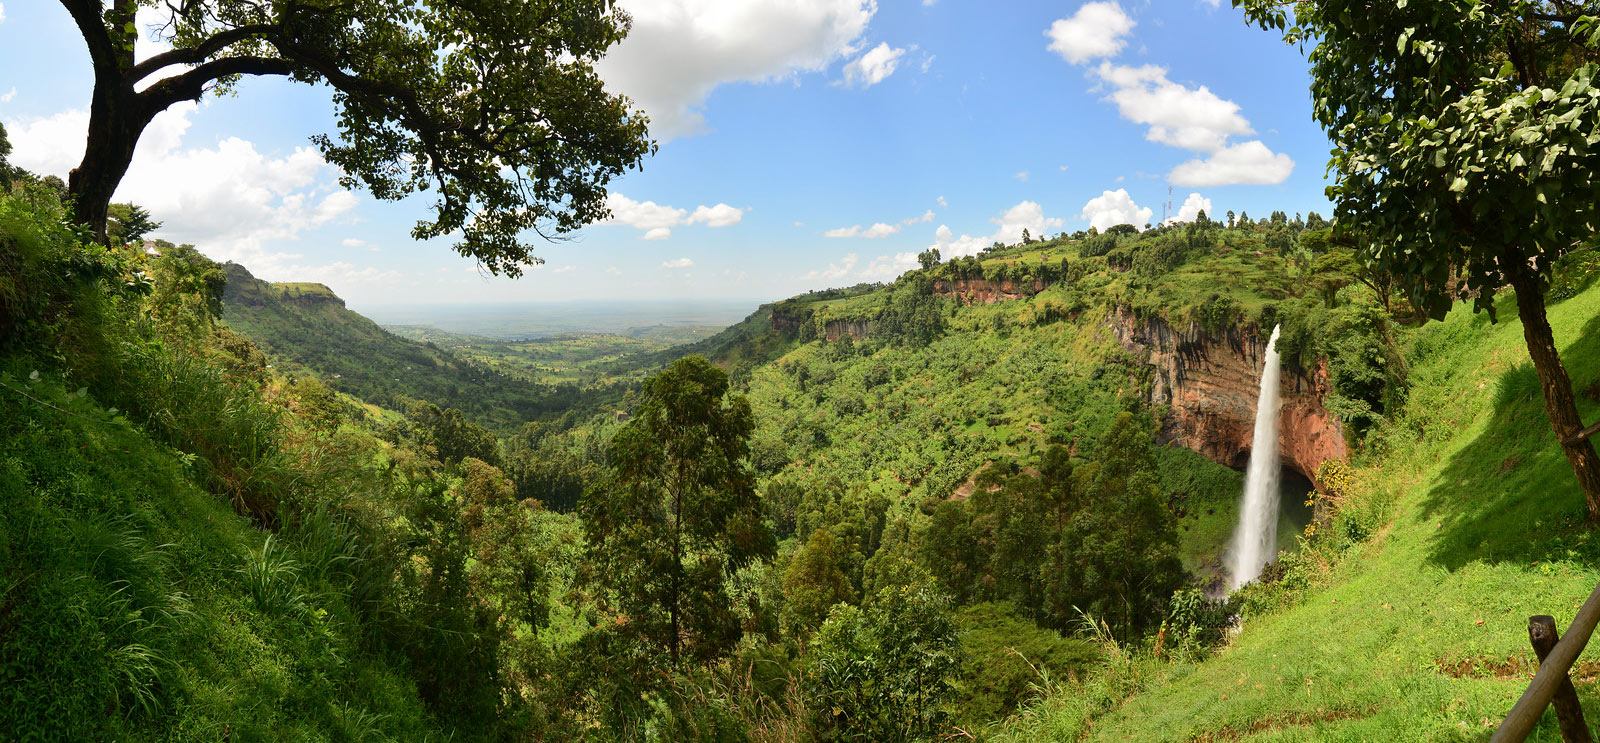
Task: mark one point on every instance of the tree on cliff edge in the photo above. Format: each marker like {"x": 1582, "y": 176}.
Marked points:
{"x": 494, "y": 105}
{"x": 1466, "y": 144}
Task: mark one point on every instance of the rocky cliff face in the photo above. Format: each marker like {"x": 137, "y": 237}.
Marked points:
{"x": 856, "y": 329}
{"x": 984, "y": 291}
{"x": 1211, "y": 384}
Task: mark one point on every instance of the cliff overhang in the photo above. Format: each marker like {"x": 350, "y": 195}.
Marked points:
{"x": 1208, "y": 384}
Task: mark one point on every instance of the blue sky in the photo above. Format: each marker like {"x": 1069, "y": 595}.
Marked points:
{"x": 804, "y": 144}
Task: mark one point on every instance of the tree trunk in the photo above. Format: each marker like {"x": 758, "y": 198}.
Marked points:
{"x": 1559, "y": 403}
{"x": 116, "y": 119}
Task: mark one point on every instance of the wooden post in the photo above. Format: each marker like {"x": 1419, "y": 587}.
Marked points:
{"x": 1569, "y": 714}
{"x": 1552, "y": 672}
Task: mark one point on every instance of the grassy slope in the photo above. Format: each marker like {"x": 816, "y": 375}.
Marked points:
{"x": 126, "y": 612}
{"x": 1484, "y": 529}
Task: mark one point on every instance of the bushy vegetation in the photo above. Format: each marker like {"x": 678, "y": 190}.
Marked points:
{"x": 889, "y": 512}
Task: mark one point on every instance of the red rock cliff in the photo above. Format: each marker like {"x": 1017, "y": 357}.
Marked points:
{"x": 984, "y": 291}
{"x": 1211, "y": 384}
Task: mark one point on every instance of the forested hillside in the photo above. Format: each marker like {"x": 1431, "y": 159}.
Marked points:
{"x": 988, "y": 499}
{"x": 306, "y": 329}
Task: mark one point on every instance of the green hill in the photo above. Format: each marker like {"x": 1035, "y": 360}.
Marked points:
{"x": 305, "y": 328}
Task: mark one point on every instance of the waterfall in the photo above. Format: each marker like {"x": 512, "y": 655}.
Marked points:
{"x": 1255, "y": 542}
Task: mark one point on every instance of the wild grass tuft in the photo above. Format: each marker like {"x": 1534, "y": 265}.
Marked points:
{"x": 272, "y": 578}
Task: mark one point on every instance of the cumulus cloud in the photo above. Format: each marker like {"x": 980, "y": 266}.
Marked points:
{"x": 1096, "y": 30}
{"x": 1187, "y": 118}
{"x": 657, "y": 220}
{"x": 678, "y": 263}
{"x": 1112, "y": 208}
{"x": 878, "y": 229}
{"x": 1191, "y": 209}
{"x": 1008, "y": 228}
{"x": 873, "y": 67}
{"x": 720, "y": 215}
{"x": 680, "y": 50}
{"x": 230, "y": 200}
{"x": 1248, "y": 163}
{"x": 1026, "y": 215}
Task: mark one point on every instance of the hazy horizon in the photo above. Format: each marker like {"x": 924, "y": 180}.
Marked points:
{"x": 555, "y": 317}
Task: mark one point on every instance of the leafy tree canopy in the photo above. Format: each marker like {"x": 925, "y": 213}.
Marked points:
{"x": 493, "y": 106}
{"x": 678, "y": 514}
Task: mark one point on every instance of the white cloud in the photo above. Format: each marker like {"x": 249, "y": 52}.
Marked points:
{"x": 1112, "y": 208}
{"x": 927, "y": 62}
{"x": 230, "y": 200}
{"x": 720, "y": 215}
{"x": 644, "y": 215}
{"x": 1248, "y": 162}
{"x": 1008, "y": 228}
{"x": 877, "y": 230}
{"x": 1021, "y": 175}
{"x": 835, "y": 271}
{"x": 678, "y": 51}
{"x": 657, "y": 220}
{"x": 565, "y": 269}
{"x": 942, "y": 203}
{"x": 613, "y": 270}
{"x": 887, "y": 268}
{"x": 1177, "y": 115}
{"x": 1096, "y": 30}
{"x": 351, "y": 242}
{"x": 1191, "y": 119}
{"x": 1026, "y": 215}
{"x": 873, "y": 67}
{"x": 1191, "y": 208}
{"x": 678, "y": 263}
{"x": 12, "y": 93}
{"x": 2, "y": 12}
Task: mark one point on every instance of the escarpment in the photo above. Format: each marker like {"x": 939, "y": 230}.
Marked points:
{"x": 1210, "y": 383}
{"x": 986, "y": 291}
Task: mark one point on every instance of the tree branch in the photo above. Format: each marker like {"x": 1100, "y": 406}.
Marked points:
{"x": 199, "y": 53}
{"x": 102, "y": 52}
{"x": 192, "y": 84}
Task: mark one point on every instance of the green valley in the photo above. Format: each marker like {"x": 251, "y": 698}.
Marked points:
{"x": 1111, "y": 474}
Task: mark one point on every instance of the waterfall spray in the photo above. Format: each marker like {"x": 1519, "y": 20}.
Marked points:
{"x": 1255, "y": 542}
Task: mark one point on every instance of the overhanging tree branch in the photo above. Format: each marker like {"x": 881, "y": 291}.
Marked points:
{"x": 202, "y": 51}
{"x": 192, "y": 84}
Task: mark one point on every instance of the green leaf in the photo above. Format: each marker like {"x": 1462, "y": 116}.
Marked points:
{"x": 1458, "y": 185}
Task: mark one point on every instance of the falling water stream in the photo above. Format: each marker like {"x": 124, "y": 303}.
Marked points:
{"x": 1255, "y": 541}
